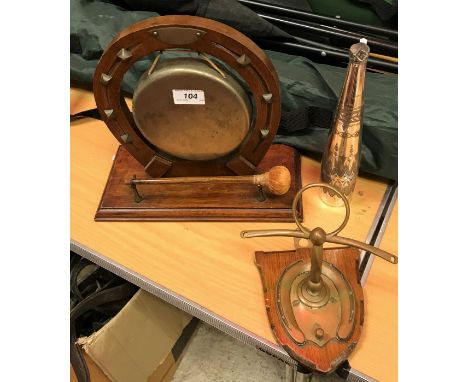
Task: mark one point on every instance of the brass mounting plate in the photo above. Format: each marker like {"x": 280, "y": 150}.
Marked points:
{"x": 340, "y": 264}
{"x": 320, "y": 318}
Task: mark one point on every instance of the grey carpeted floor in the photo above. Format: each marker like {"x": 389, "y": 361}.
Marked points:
{"x": 214, "y": 356}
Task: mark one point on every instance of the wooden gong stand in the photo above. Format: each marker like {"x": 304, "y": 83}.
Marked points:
{"x": 138, "y": 157}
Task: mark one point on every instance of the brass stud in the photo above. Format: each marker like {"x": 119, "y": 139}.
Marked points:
{"x": 268, "y": 97}
{"x": 264, "y": 133}
{"x": 105, "y": 78}
{"x": 124, "y": 54}
{"x": 109, "y": 113}
{"x": 126, "y": 138}
{"x": 243, "y": 60}
{"x": 319, "y": 333}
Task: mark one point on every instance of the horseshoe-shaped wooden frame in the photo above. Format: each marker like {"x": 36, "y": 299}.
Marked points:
{"x": 200, "y": 35}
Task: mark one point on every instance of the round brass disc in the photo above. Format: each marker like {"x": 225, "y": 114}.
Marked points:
{"x": 191, "y": 131}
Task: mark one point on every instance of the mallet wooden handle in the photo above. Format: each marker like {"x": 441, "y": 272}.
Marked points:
{"x": 277, "y": 180}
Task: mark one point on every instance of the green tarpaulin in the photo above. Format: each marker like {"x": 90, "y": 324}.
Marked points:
{"x": 304, "y": 84}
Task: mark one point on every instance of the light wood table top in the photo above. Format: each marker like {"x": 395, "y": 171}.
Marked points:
{"x": 208, "y": 263}
{"x": 377, "y": 352}
{"x": 81, "y": 100}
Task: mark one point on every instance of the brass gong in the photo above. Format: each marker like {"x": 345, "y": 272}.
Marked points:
{"x": 198, "y": 136}
{"x": 190, "y": 108}
{"x": 214, "y": 109}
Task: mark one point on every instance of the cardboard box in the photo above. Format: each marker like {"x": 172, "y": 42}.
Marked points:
{"x": 142, "y": 342}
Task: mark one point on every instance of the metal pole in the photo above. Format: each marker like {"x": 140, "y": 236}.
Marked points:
{"x": 309, "y": 16}
{"x": 377, "y": 46}
{"x": 310, "y": 51}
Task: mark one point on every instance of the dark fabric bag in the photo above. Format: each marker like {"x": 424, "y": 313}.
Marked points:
{"x": 309, "y": 90}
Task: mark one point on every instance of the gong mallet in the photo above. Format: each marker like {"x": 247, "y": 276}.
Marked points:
{"x": 277, "y": 181}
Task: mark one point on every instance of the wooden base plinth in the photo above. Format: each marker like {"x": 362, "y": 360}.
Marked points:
{"x": 327, "y": 358}
{"x": 197, "y": 202}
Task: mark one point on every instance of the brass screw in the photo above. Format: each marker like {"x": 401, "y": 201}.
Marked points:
{"x": 155, "y": 33}
{"x": 319, "y": 333}
{"x": 198, "y": 34}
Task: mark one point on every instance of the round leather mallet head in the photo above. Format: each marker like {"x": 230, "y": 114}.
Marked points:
{"x": 277, "y": 180}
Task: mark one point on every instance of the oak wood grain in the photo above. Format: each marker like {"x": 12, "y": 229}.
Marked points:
{"x": 197, "y": 202}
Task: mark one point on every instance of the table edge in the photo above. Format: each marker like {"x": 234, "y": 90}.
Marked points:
{"x": 217, "y": 321}
{"x": 376, "y": 238}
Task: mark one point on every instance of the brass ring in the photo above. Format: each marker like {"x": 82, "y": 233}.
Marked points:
{"x": 312, "y": 185}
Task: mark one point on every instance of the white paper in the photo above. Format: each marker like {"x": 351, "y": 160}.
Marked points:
{"x": 188, "y": 97}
